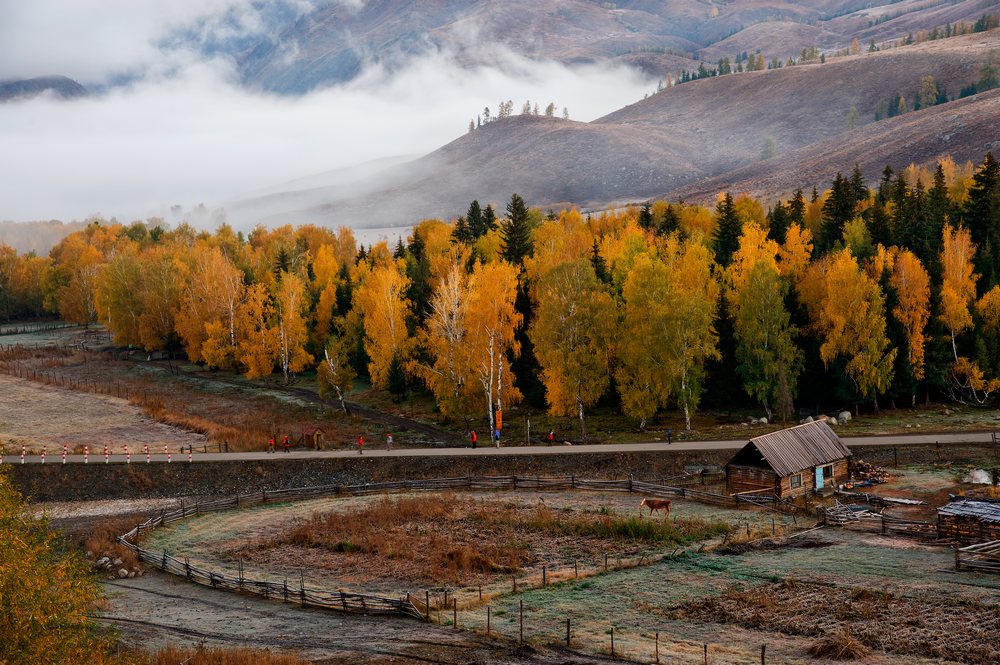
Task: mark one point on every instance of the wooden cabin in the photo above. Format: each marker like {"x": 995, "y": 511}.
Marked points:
{"x": 969, "y": 521}
{"x": 790, "y": 462}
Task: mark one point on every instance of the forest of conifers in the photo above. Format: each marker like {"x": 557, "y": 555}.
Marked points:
{"x": 866, "y": 293}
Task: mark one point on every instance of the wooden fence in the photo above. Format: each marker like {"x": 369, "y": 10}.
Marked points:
{"x": 361, "y": 602}
{"x": 866, "y": 520}
{"x": 983, "y": 557}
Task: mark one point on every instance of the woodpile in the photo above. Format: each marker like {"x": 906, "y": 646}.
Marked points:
{"x": 866, "y": 471}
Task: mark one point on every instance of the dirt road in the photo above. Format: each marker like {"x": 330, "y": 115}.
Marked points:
{"x": 489, "y": 451}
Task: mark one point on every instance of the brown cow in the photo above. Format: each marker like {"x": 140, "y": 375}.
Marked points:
{"x": 656, "y": 504}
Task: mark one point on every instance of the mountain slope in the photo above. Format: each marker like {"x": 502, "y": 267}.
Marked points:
{"x": 61, "y": 86}
{"x": 659, "y": 146}
{"x": 337, "y": 39}
{"x": 965, "y": 129}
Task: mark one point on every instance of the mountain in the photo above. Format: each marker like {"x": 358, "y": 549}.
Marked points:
{"x": 333, "y": 42}
{"x": 61, "y": 86}
{"x": 718, "y": 128}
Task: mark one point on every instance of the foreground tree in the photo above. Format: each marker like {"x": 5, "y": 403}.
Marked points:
{"x": 381, "y": 304}
{"x": 46, "y": 592}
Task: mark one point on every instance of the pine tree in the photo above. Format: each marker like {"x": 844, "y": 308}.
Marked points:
{"x": 515, "y": 232}
{"x": 728, "y": 228}
{"x": 778, "y": 221}
{"x": 461, "y": 232}
{"x": 670, "y": 221}
{"x": 646, "y": 216}
{"x": 837, "y": 211}
{"x": 600, "y": 265}
{"x": 797, "y": 209}
{"x": 981, "y": 215}
{"x": 474, "y": 220}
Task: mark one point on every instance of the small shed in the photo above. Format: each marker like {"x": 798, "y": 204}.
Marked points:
{"x": 790, "y": 462}
{"x": 969, "y": 521}
{"x": 313, "y": 435}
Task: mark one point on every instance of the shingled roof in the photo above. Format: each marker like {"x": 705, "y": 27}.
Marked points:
{"x": 791, "y": 450}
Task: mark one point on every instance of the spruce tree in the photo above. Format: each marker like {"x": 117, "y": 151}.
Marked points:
{"x": 600, "y": 265}
{"x": 461, "y": 233}
{"x": 646, "y": 216}
{"x": 474, "y": 220}
{"x": 489, "y": 222}
{"x": 728, "y": 228}
{"x": 778, "y": 221}
{"x": 515, "y": 232}
{"x": 837, "y": 211}
{"x": 981, "y": 215}
{"x": 670, "y": 222}
{"x": 797, "y": 209}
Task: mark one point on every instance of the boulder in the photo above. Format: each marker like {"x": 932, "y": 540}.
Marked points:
{"x": 762, "y": 421}
{"x": 122, "y": 573}
{"x": 844, "y": 416}
{"x": 809, "y": 419}
{"x": 103, "y": 561}
{"x": 117, "y": 562}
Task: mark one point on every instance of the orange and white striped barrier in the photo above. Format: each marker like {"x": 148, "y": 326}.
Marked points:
{"x": 64, "y": 454}
{"x": 107, "y": 456}
{"x": 145, "y": 449}
{"x": 86, "y": 454}
{"x": 43, "y": 454}
{"x": 166, "y": 450}
{"x": 128, "y": 455}
{"x": 22, "y": 454}
{"x": 190, "y": 455}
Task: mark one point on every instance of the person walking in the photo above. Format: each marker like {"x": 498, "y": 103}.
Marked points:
{"x": 270, "y": 445}
{"x": 474, "y": 439}
{"x": 670, "y": 435}
{"x": 285, "y": 443}
{"x": 361, "y": 445}
{"x": 388, "y": 441}
{"x": 496, "y": 437}
{"x": 552, "y": 437}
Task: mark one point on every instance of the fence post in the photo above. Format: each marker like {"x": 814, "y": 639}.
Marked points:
{"x": 630, "y": 483}
{"x": 895, "y": 457}
{"x": 567, "y": 632}
{"x": 454, "y": 616}
{"x": 958, "y": 560}
{"x": 706, "y": 654}
{"x": 487, "y": 621}
{"x": 521, "y": 621}
{"x": 763, "y": 651}
{"x": 427, "y": 604}
{"x": 883, "y": 525}
{"x": 544, "y": 578}
{"x": 657, "y": 649}
{"x": 605, "y": 562}
{"x": 576, "y": 569}
{"x": 612, "y": 641}
{"x": 187, "y": 568}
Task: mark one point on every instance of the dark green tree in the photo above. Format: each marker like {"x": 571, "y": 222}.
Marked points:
{"x": 728, "y": 228}
{"x": 981, "y": 215}
{"x": 646, "y": 216}
{"x": 515, "y": 232}
{"x": 600, "y": 265}
{"x": 797, "y": 209}
{"x": 838, "y": 209}
{"x": 778, "y": 221}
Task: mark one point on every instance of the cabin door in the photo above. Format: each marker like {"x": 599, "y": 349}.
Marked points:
{"x": 819, "y": 477}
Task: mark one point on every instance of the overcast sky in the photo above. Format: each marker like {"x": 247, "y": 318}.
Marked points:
{"x": 183, "y": 131}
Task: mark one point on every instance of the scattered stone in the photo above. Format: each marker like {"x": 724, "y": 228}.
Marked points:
{"x": 131, "y": 574}
{"x": 103, "y": 561}
{"x": 763, "y": 421}
{"x": 122, "y": 573}
{"x": 844, "y": 416}
{"x": 117, "y": 562}
{"x": 89, "y": 555}
{"x": 947, "y": 412}
{"x": 809, "y": 419}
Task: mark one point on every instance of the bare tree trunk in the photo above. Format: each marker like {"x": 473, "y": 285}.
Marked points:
{"x": 583, "y": 420}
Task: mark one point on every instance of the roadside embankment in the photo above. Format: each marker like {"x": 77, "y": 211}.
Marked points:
{"x": 76, "y": 482}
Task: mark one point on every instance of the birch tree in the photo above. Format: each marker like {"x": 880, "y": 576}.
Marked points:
{"x": 444, "y": 336}
{"x": 380, "y": 301}
{"x": 572, "y": 335}
{"x": 292, "y": 309}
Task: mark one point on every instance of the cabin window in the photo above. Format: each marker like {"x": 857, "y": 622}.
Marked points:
{"x": 828, "y": 472}
{"x": 795, "y": 481}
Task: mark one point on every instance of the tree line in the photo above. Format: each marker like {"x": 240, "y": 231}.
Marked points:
{"x": 857, "y": 294}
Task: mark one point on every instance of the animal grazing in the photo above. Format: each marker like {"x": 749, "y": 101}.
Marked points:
{"x": 656, "y": 504}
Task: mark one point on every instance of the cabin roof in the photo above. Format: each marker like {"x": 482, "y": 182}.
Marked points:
{"x": 983, "y": 510}
{"x": 794, "y": 449}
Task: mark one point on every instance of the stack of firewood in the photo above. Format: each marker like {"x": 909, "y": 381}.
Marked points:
{"x": 865, "y": 471}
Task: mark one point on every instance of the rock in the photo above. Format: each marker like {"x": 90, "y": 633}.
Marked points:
{"x": 844, "y": 416}
{"x": 131, "y": 574}
{"x": 824, "y": 418}
{"x": 117, "y": 562}
{"x": 947, "y": 412}
{"x": 832, "y": 422}
{"x": 753, "y": 421}
{"x": 122, "y": 573}
{"x": 763, "y": 421}
{"x": 102, "y": 561}
{"x": 808, "y": 419}
{"x": 89, "y": 555}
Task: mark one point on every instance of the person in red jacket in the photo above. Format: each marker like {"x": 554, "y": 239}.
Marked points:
{"x": 474, "y": 438}
{"x": 361, "y": 445}
{"x": 270, "y": 445}
{"x": 285, "y": 443}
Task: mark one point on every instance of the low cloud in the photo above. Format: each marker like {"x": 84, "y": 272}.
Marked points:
{"x": 187, "y": 133}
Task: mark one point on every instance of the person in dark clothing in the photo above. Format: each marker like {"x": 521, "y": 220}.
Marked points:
{"x": 551, "y": 437}
{"x": 285, "y": 443}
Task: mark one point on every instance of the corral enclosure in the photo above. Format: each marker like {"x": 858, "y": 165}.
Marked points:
{"x": 783, "y": 592}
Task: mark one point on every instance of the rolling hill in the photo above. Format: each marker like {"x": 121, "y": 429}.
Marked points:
{"x": 333, "y": 42}
{"x": 716, "y": 130}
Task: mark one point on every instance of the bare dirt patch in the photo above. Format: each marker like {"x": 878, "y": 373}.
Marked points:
{"x": 36, "y": 415}
{"x": 926, "y": 625}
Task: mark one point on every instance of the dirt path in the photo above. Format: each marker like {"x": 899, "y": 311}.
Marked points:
{"x": 155, "y": 610}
